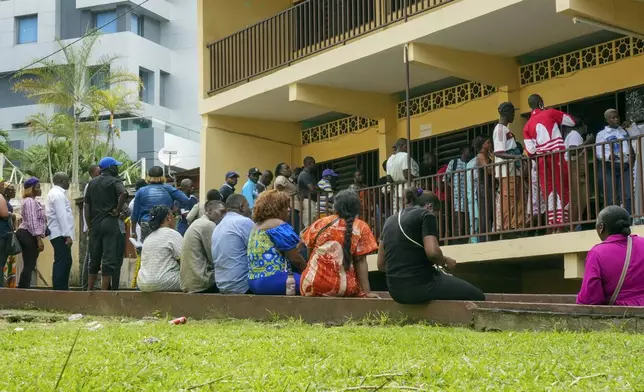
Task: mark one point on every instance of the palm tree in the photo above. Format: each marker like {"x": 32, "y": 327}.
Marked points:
{"x": 52, "y": 127}
{"x": 72, "y": 84}
{"x": 115, "y": 101}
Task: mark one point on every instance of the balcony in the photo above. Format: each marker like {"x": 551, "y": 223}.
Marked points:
{"x": 302, "y": 31}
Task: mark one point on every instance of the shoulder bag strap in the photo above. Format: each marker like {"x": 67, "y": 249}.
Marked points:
{"x": 405, "y": 234}
{"x": 627, "y": 262}
{"x": 323, "y": 229}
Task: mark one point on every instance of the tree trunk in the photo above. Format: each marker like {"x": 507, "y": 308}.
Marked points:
{"x": 75, "y": 151}
{"x": 51, "y": 173}
{"x": 112, "y": 136}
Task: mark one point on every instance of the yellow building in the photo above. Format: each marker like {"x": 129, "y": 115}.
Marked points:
{"x": 284, "y": 79}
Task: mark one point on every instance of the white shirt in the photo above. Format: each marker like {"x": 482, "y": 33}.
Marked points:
{"x": 573, "y": 139}
{"x": 612, "y": 134}
{"x": 60, "y": 219}
{"x": 84, "y": 220}
{"x": 503, "y": 141}
{"x": 397, "y": 164}
{"x": 160, "y": 257}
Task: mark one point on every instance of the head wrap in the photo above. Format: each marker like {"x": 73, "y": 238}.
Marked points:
{"x": 31, "y": 182}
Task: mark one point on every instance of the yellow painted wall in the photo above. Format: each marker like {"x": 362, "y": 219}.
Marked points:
{"x": 587, "y": 83}
{"x": 230, "y": 143}
{"x": 453, "y": 118}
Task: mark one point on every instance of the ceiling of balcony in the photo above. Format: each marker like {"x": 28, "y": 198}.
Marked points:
{"x": 523, "y": 27}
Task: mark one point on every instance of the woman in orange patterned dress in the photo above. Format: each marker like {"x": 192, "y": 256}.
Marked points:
{"x": 338, "y": 248}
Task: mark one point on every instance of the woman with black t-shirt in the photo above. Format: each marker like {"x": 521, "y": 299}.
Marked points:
{"x": 409, "y": 253}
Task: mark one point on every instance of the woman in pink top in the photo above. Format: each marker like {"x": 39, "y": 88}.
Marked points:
{"x": 605, "y": 262}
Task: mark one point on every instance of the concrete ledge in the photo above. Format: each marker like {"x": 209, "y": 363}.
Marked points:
{"x": 484, "y": 316}
{"x": 210, "y": 306}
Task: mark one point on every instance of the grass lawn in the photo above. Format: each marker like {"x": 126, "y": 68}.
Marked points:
{"x": 292, "y": 356}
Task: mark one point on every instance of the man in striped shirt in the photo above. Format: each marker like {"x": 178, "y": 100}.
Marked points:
{"x": 326, "y": 192}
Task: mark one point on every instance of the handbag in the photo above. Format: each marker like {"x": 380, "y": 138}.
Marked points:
{"x": 627, "y": 262}
{"x": 437, "y": 267}
{"x": 13, "y": 246}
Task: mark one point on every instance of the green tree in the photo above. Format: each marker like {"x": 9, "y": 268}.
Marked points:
{"x": 73, "y": 84}
{"x": 115, "y": 101}
{"x": 57, "y": 125}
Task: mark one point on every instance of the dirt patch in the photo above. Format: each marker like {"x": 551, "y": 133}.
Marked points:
{"x": 19, "y": 316}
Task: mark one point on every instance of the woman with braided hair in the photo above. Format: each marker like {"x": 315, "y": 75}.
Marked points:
{"x": 161, "y": 253}
{"x": 339, "y": 245}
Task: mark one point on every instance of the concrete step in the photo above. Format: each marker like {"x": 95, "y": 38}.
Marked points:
{"x": 491, "y": 315}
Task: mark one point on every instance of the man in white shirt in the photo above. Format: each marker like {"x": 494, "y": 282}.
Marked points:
{"x": 615, "y": 154}
{"x": 508, "y": 174}
{"x": 93, "y": 171}
{"x": 398, "y": 169}
{"x": 60, "y": 222}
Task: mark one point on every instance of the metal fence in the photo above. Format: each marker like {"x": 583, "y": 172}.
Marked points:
{"x": 511, "y": 199}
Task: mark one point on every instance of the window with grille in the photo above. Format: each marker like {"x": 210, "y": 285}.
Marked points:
{"x": 367, "y": 162}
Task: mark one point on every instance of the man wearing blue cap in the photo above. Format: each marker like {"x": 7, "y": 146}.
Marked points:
{"x": 104, "y": 201}
{"x": 326, "y": 191}
{"x": 229, "y": 186}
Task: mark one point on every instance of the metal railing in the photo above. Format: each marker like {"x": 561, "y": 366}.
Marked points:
{"x": 303, "y": 30}
{"x": 480, "y": 204}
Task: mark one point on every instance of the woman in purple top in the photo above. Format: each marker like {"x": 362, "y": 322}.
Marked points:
{"x": 605, "y": 262}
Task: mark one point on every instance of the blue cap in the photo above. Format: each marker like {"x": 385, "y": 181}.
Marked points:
{"x": 31, "y": 182}
{"x": 232, "y": 174}
{"x": 108, "y": 162}
{"x": 329, "y": 172}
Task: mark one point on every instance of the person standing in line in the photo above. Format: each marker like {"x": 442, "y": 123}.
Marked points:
{"x": 358, "y": 187}
{"x": 32, "y": 230}
{"x": 325, "y": 185}
{"x": 156, "y": 193}
{"x": 104, "y": 201}
{"x": 265, "y": 181}
{"x": 284, "y": 183}
{"x": 399, "y": 170}
{"x": 229, "y": 186}
{"x": 93, "y": 171}
{"x": 135, "y": 229}
{"x": 543, "y": 139}
{"x": 512, "y": 215}
{"x": 188, "y": 189}
{"x": 199, "y": 209}
{"x": 613, "y": 180}
{"x": 307, "y": 192}
{"x": 6, "y": 224}
{"x": 230, "y": 246}
{"x": 455, "y": 179}
{"x": 250, "y": 187}
{"x": 197, "y": 271}
{"x": 60, "y": 221}
{"x": 577, "y": 163}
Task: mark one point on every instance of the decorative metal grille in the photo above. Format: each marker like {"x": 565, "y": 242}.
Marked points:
{"x": 337, "y": 128}
{"x": 450, "y": 96}
{"x": 593, "y": 56}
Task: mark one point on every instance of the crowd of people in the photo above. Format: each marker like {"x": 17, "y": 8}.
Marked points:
{"x": 291, "y": 232}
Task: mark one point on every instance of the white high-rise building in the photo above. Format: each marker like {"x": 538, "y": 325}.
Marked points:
{"x": 156, "y": 40}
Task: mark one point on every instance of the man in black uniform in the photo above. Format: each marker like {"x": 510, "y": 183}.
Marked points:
{"x": 104, "y": 202}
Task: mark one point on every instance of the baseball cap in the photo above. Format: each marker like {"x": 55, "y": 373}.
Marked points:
{"x": 232, "y": 174}
{"x": 108, "y": 162}
{"x": 506, "y": 107}
{"x": 329, "y": 172}
{"x": 254, "y": 171}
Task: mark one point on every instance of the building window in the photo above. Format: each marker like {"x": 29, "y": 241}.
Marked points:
{"x": 136, "y": 24}
{"x": 165, "y": 79}
{"x": 105, "y": 21}
{"x": 98, "y": 78}
{"x": 146, "y": 91}
{"x": 27, "y": 27}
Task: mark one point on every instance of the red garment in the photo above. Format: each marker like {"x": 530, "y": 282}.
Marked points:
{"x": 438, "y": 189}
{"x": 542, "y": 135}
